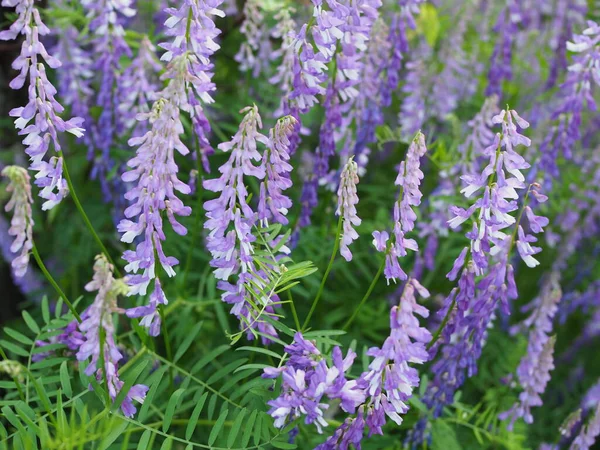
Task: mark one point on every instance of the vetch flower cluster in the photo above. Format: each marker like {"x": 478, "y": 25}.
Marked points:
{"x": 273, "y": 204}
{"x": 155, "y": 171}
{"x": 21, "y": 224}
{"x": 309, "y": 384}
{"x": 408, "y": 180}
{"x": 470, "y": 307}
{"x": 42, "y": 107}
{"x": 347, "y": 201}
{"x": 230, "y": 218}
{"x": 98, "y": 335}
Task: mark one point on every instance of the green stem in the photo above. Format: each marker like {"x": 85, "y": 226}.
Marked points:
{"x": 54, "y": 284}
{"x": 336, "y": 246}
{"x": 167, "y": 344}
{"x": 366, "y": 296}
{"x": 438, "y": 332}
{"x": 294, "y": 313}
{"x": 198, "y": 215}
{"x": 84, "y": 215}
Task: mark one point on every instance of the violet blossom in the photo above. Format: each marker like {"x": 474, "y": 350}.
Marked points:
{"x": 98, "y": 335}
{"x": 408, "y": 180}
{"x": 230, "y": 220}
{"x": 108, "y": 46}
{"x": 347, "y": 201}
{"x": 470, "y": 308}
{"x": 42, "y": 107}
{"x": 309, "y": 384}
{"x": 273, "y": 204}
{"x": 21, "y": 224}
{"x": 254, "y": 52}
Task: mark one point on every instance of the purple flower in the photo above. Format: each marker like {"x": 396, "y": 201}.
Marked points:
{"x": 501, "y": 64}
{"x": 42, "y": 107}
{"x": 155, "y": 171}
{"x": 409, "y": 179}
{"x": 413, "y": 114}
{"x": 588, "y": 434}
{"x": 97, "y": 321}
{"x": 230, "y": 220}
{"x": 347, "y": 200}
{"x": 309, "y": 383}
{"x": 255, "y": 50}
{"x": 189, "y": 69}
{"x": 390, "y": 378}
{"x": 577, "y": 95}
{"x": 284, "y": 29}
{"x": 137, "y": 88}
{"x": 21, "y": 224}
{"x": 273, "y": 204}
{"x": 534, "y": 368}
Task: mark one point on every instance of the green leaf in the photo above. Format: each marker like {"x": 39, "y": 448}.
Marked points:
{"x": 18, "y": 336}
{"x": 173, "y": 402}
{"x": 214, "y": 433}
{"x": 283, "y": 444}
{"x": 14, "y": 348}
{"x": 45, "y": 310}
{"x": 187, "y": 341}
{"x": 167, "y": 444}
{"x": 429, "y": 23}
{"x": 235, "y": 428}
{"x": 443, "y": 436}
{"x": 33, "y": 326}
{"x": 210, "y": 356}
{"x": 144, "y": 440}
{"x": 248, "y": 429}
{"x": 264, "y": 351}
{"x": 191, "y": 426}
{"x": 65, "y": 380}
{"x": 117, "y": 430}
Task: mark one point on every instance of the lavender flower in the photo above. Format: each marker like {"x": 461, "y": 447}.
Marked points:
{"x": 21, "y": 225}
{"x": 273, "y": 204}
{"x": 189, "y": 69}
{"x": 155, "y": 171}
{"x": 97, "y": 322}
{"x": 137, "y": 87}
{"x": 470, "y": 308}
{"x": 390, "y": 378}
{"x": 230, "y": 221}
{"x": 42, "y": 106}
{"x": 577, "y": 91}
{"x": 501, "y": 63}
{"x": 588, "y": 434}
{"x": 308, "y": 383}
{"x": 108, "y": 44}
{"x": 409, "y": 179}
{"x": 284, "y": 74}
{"x": 413, "y": 112}
{"x": 347, "y": 200}
{"x": 255, "y": 49}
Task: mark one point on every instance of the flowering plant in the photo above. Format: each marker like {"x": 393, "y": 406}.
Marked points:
{"x": 319, "y": 224}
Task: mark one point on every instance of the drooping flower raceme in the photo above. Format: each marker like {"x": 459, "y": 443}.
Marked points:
{"x": 153, "y": 167}
{"x": 273, "y": 204}
{"x": 42, "y": 107}
{"x": 408, "y": 180}
{"x": 255, "y": 50}
{"x": 470, "y": 308}
{"x": 577, "y": 94}
{"x": 108, "y": 47}
{"x": 98, "y": 335}
{"x": 21, "y": 225}
{"x": 189, "y": 71}
{"x": 347, "y": 200}
{"x": 155, "y": 171}
{"x": 137, "y": 88}
{"x": 534, "y": 368}
{"x": 230, "y": 219}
